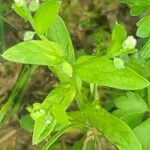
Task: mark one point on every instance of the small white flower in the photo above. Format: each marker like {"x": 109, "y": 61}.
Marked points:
{"x": 129, "y": 43}
{"x": 34, "y": 5}
{"x": 19, "y": 2}
{"x": 119, "y": 63}
{"x": 28, "y": 35}
{"x": 67, "y": 69}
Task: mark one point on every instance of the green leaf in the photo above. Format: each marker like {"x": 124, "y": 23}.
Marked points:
{"x": 127, "y": 102}
{"x": 27, "y": 123}
{"x": 58, "y": 33}
{"x": 101, "y": 71}
{"x": 62, "y": 95}
{"x": 138, "y": 65}
{"x": 143, "y": 27}
{"x": 146, "y": 50}
{"x": 115, "y": 130}
{"x": 54, "y": 138}
{"x": 44, "y": 122}
{"x": 35, "y": 52}
{"x": 20, "y": 11}
{"x": 137, "y": 7}
{"x": 44, "y": 125}
{"x": 60, "y": 115}
{"x": 131, "y": 108}
{"x": 46, "y": 15}
{"x": 142, "y": 132}
{"x": 118, "y": 36}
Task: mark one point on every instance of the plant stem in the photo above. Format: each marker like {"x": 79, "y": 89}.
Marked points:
{"x": 20, "y": 97}
{"x": 17, "y": 90}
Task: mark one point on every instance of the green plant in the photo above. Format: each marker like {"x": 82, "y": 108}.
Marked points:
{"x": 126, "y": 127}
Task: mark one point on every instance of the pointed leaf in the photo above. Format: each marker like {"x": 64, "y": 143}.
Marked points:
{"x": 45, "y": 15}
{"x": 118, "y": 36}
{"x": 101, "y": 71}
{"x": 143, "y": 27}
{"x": 35, "y": 52}
{"x": 58, "y": 32}
{"x": 60, "y": 115}
{"x": 43, "y": 127}
{"x": 115, "y": 130}
{"x": 142, "y": 132}
{"x": 61, "y": 95}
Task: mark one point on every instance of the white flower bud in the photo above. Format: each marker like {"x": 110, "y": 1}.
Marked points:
{"x": 34, "y": 5}
{"x": 28, "y": 35}
{"x": 119, "y": 63}
{"x": 129, "y": 43}
{"x": 19, "y": 2}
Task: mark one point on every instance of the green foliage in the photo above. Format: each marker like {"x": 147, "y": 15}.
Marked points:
{"x": 59, "y": 33}
{"x": 143, "y": 27}
{"x": 27, "y": 123}
{"x": 131, "y": 115}
{"x": 52, "y": 53}
{"x": 113, "y": 128}
{"x": 45, "y": 15}
{"x": 20, "y": 11}
{"x": 146, "y": 50}
{"x": 119, "y": 34}
{"x": 101, "y": 71}
{"x": 142, "y": 132}
{"x": 137, "y": 7}
{"x": 80, "y": 80}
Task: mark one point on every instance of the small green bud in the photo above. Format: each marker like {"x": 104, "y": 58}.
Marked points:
{"x": 67, "y": 68}
{"x": 42, "y": 111}
{"x": 119, "y": 63}
{"x": 19, "y": 2}
{"x": 129, "y": 43}
{"x": 28, "y": 35}
{"x": 34, "y": 5}
{"x": 48, "y": 122}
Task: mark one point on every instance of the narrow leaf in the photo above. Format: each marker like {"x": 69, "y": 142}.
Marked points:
{"x": 44, "y": 125}
{"x": 54, "y": 138}
{"x": 35, "y": 52}
{"x": 102, "y": 72}
{"x": 58, "y": 33}
{"x": 61, "y": 95}
{"x": 118, "y": 36}
{"x": 45, "y": 15}
{"x": 20, "y": 11}
{"x": 60, "y": 115}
